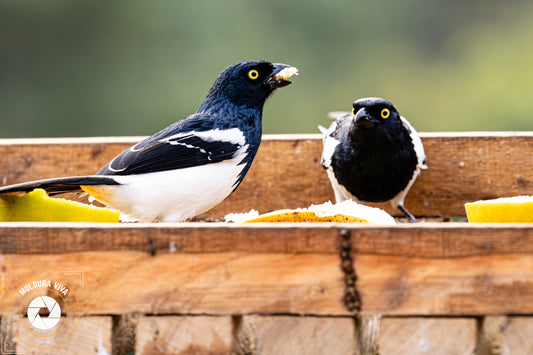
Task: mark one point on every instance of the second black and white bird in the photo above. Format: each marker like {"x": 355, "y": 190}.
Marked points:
{"x": 373, "y": 154}
{"x": 192, "y": 165}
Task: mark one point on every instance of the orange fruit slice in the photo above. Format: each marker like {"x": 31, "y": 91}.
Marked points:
{"x": 346, "y": 211}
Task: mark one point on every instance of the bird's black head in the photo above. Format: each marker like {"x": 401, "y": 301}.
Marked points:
{"x": 249, "y": 83}
{"x": 372, "y": 112}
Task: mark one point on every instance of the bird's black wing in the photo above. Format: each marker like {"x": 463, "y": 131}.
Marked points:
{"x": 191, "y": 142}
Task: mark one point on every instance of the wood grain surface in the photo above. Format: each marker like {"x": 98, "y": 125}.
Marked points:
{"x": 286, "y": 173}
{"x": 203, "y": 268}
{"x": 443, "y": 269}
{"x": 422, "y": 240}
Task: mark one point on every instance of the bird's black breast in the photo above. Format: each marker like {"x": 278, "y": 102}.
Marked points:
{"x": 374, "y": 169}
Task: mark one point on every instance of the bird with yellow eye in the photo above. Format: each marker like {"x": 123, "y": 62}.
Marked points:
{"x": 373, "y": 155}
{"x": 253, "y": 74}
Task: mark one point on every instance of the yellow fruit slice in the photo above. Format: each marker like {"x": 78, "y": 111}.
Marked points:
{"x": 36, "y": 206}
{"x": 517, "y": 209}
{"x": 347, "y": 211}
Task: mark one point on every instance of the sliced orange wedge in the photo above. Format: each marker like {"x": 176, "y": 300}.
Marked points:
{"x": 517, "y": 209}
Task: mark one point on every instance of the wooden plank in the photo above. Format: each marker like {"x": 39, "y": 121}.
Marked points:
{"x": 219, "y": 283}
{"x": 93, "y": 336}
{"x": 296, "y": 335}
{"x": 517, "y": 336}
{"x": 459, "y": 286}
{"x": 463, "y": 167}
{"x": 184, "y": 335}
{"x": 294, "y": 283}
{"x": 7, "y": 337}
{"x": 41, "y": 158}
{"x": 490, "y": 336}
{"x": 52, "y": 238}
{"x": 423, "y": 269}
{"x": 422, "y": 240}
{"x": 427, "y": 336}
{"x": 124, "y": 330}
{"x": 368, "y": 329}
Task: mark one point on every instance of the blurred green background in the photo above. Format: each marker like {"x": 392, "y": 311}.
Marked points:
{"x": 104, "y": 68}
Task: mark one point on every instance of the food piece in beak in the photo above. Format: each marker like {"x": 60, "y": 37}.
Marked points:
{"x": 280, "y": 75}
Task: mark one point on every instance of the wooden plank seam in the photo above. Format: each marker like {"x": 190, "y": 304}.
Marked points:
{"x": 352, "y": 300}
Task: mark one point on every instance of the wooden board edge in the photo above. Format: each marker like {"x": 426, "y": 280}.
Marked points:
{"x": 432, "y": 240}
{"x": 266, "y": 137}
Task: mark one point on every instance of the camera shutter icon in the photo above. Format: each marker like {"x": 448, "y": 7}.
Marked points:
{"x": 54, "y": 312}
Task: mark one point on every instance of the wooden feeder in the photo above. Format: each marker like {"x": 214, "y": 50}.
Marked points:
{"x": 441, "y": 286}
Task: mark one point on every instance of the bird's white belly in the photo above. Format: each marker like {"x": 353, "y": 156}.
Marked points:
{"x": 173, "y": 196}
{"x": 341, "y": 194}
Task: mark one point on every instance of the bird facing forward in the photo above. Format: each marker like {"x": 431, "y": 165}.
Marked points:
{"x": 192, "y": 165}
{"x": 372, "y": 155}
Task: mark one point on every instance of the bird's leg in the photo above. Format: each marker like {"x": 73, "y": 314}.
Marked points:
{"x": 412, "y": 218}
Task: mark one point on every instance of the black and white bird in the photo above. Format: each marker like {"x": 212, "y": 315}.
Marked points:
{"x": 192, "y": 165}
{"x": 373, "y": 154}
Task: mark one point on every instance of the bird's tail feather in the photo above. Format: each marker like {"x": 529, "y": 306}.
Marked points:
{"x": 323, "y": 129}
{"x": 333, "y": 115}
{"x": 60, "y": 185}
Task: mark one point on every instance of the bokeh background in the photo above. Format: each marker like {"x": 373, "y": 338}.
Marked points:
{"x": 116, "y": 68}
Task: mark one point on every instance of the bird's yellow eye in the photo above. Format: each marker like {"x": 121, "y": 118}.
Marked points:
{"x": 253, "y": 74}
{"x": 385, "y": 113}
{"x": 353, "y": 111}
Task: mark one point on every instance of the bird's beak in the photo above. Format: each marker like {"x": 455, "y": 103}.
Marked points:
{"x": 364, "y": 119}
{"x": 280, "y": 74}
